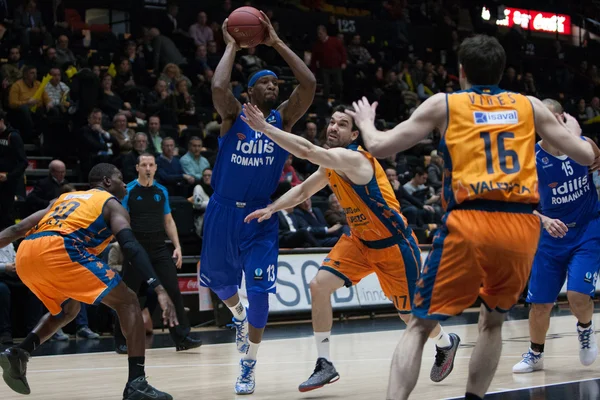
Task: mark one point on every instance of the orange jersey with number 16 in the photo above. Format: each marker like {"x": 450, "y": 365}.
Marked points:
{"x": 489, "y": 148}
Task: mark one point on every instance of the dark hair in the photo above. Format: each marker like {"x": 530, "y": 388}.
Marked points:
{"x": 483, "y": 60}
{"x": 342, "y": 108}
{"x": 66, "y": 188}
{"x": 419, "y": 171}
{"x": 195, "y": 138}
{"x": 28, "y": 68}
{"x": 101, "y": 171}
{"x": 144, "y": 154}
{"x": 94, "y": 111}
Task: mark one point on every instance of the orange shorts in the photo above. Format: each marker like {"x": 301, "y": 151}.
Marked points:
{"x": 57, "y": 268}
{"x": 486, "y": 254}
{"x": 396, "y": 262}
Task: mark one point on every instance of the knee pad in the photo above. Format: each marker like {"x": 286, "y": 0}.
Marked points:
{"x": 258, "y": 312}
{"x": 225, "y": 292}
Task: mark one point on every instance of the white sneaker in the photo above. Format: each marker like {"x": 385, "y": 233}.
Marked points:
{"x": 530, "y": 362}
{"x": 245, "y": 382}
{"x": 588, "y": 348}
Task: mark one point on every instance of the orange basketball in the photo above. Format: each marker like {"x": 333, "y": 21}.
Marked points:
{"x": 245, "y": 26}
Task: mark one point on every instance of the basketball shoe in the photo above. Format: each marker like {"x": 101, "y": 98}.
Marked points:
{"x": 588, "y": 348}
{"x": 444, "y": 359}
{"x": 530, "y": 362}
{"x": 241, "y": 334}
{"x": 245, "y": 382}
{"x": 14, "y": 369}
{"x": 323, "y": 374}
{"x": 140, "y": 389}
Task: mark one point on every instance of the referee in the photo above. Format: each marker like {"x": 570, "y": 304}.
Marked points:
{"x": 151, "y": 222}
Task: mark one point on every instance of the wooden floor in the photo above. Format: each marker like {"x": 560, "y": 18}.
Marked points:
{"x": 361, "y": 359}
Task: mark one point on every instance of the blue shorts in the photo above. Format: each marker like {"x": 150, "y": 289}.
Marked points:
{"x": 231, "y": 246}
{"x": 576, "y": 256}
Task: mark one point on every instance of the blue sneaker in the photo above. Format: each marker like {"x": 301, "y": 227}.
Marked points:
{"x": 241, "y": 334}
{"x": 245, "y": 382}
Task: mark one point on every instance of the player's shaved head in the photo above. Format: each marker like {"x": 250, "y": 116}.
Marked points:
{"x": 101, "y": 171}
{"x": 553, "y": 106}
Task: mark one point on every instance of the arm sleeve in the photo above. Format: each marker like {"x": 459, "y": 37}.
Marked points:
{"x": 138, "y": 257}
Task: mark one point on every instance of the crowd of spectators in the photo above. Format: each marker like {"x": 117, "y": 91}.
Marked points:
{"x": 81, "y": 104}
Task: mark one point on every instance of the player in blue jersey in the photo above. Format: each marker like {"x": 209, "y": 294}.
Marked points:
{"x": 246, "y": 174}
{"x": 568, "y": 248}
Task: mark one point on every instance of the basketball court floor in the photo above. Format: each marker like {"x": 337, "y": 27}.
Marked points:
{"x": 361, "y": 351}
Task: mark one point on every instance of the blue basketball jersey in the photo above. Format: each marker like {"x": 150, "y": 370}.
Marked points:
{"x": 249, "y": 164}
{"x": 566, "y": 189}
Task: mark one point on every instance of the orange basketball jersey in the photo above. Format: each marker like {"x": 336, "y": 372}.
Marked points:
{"x": 489, "y": 148}
{"x": 78, "y": 215}
{"x": 372, "y": 211}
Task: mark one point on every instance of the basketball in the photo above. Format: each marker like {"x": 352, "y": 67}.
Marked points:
{"x": 245, "y": 27}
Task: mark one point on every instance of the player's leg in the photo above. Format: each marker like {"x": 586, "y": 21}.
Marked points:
{"x": 345, "y": 265}
{"x": 167, "y": 274}
{"x": 581, "y": 287}
{"x": 449, "y": 283}
{"x": 125, "y": 303}
{"x": 486, "y": 354}
{"x": 547, "y": 277}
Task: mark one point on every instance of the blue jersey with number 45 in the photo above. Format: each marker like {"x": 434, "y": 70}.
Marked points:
{"x": 566, "y": 189}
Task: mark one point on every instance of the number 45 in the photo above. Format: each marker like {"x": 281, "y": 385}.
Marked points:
{"x": 503, "y": 154}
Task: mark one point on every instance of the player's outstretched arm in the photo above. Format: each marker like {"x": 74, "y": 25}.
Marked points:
{"x": 556, "y": 133}
{"x": 225, "y": 102}
{"x": 336, "y": 158}
{"x": 428, "y": 116}
{"x": 293, "y": 197}
{"x": 301, "y": 98}
{"x": 118, "y": 222}
{"x": 19, "y": 230}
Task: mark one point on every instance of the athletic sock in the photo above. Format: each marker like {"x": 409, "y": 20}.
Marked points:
{"x": 537, "y": 348}
{"x": 323, "y": 339}
{"x": 31, "y": 342}
{"x": 442, "y": 340}
{"x": 584, "y": 326}
{"x": 238, "y": 311}
{"x": 136, "y": 368}
{"x": 252, "y": 351}
{"x": 471, "y": 396}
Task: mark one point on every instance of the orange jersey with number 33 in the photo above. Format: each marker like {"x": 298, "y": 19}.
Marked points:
{"x": 489, "y": 148}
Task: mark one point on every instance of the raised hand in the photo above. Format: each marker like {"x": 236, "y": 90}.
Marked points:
{"x": 363, "y": 113}
{"x": 229, "y": 40}
{"x": 254, "y": 117}
{"x": 271, "y": 37}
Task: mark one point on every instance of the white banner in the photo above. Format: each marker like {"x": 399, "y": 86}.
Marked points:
{"x": 295, "y": 271}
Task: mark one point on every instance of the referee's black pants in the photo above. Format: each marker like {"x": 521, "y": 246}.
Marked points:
{"x": 166, "y": 271}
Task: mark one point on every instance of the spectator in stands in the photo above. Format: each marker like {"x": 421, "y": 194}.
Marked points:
{"x": 11, "y": 71}
{"x": 30, "y": 27}
{"x": 170, "y": 26}
{"x": 316, "y": 224}
{"x": 136, "y": 58}
{"x": 170, "y": 172}
{"x": 417, "y": 72}
{"x": 200, "y": 32}
{"x": 171, "y": 74}
{"x": 182, "y": 103}
{"x": 310, "y": 133}
{"x": 223, "y": 12}
{"x": 96, "y": 143}
{"x": 192, "y": 162}
{"x": 435, "y": 171}
{"x": 213, "y": 56}
{"x": 48, "y": 188}
{"x": 57, "y": 91}
{"x": 111, "y": 103}
{"x": 529, "y": 87}
{"x": 251, "y": 62}
{"x": 164, "y": 51}
{"x": 416, "y": 213}
{"x": 329, "y": 60}
{"x": 358, "y": 54}
{"x": 202, "y": 192}
{"x": 510, "y": 81}
{"x": 155, "y": 134}
{"x": 292, "y": 233}
{"x": 12, "y": 290}
{"x": 121, "y": 134}
{"x": 427, "y": 88}
{"x": 593, "y": 110}
{"x": 156, "y": 103}
{"x": 580, "y": 112}
{"x": 13, "y": 162}
{"x": 124, "y": 80}
{"x": 416, "y": 187}
{"x": 200, "y": 62}
{"x": 21, "y": 100}
{"x": 417, "y": 183}
{"x": 48, "y": 62}
{"x": 64, "y": 55}
{"x": 288, "y": 174}
{"x": 127, "y": 162}
{"x": 335, "y": 214}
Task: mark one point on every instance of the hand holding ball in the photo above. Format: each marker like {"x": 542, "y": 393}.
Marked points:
{"x": 245, "y": 26}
